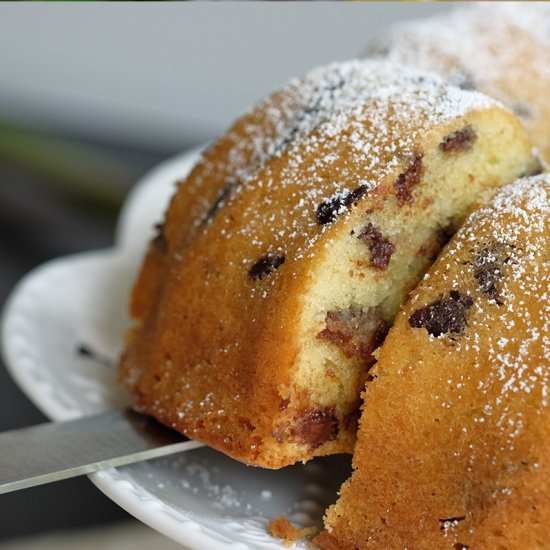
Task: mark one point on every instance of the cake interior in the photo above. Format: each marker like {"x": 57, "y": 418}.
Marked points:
{"x": 379, "y": 254}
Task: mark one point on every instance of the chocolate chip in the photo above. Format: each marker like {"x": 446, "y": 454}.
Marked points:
{"x": 356, "y": 195}
{"x": 460, "y": 546}
{"x": 357, "y": 332}
{"x": 381, "y": 248}
{"x": 486, "y": 278}
{"x": 265, "y": 265}
{"x": 331, "y": 208}
{"x": 159, "y": 242}
{"x": 407, "y": 180}
{"x": 315, "y": 426}
{"x": 220, "y": 199}
{"x": 459, "y": 141}
{"x": 488, "y": 265}
{"x": 338, "y": 203}
{"x": 446, "y": 315}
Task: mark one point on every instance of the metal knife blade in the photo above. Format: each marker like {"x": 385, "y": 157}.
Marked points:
{"x": 59, "y": 450}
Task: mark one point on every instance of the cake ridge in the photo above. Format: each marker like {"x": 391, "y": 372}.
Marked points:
{"x": 378, "y": 83}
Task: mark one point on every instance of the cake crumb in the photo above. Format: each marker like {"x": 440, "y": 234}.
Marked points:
{"x": 281, "y": 528}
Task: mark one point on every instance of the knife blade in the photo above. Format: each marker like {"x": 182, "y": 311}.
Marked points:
{"x": 59, "y": 450}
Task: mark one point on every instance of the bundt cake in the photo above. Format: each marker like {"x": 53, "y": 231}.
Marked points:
{"x": 453, "y": 450}
{"x": 286, "y": 253}
{"x": 501, "y": 49}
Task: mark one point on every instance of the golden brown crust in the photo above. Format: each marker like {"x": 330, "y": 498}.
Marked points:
{"x": 219, "y": 303}
{"x": 454, "y": 442}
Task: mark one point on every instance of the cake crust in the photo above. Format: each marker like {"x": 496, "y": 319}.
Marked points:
{"x": 453, "y": 449}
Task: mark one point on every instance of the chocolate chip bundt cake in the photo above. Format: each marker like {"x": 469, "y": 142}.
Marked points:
{"x": 501, "y": 49}
{"x": 453, "y": 449}
{"x": 288, "y": 250}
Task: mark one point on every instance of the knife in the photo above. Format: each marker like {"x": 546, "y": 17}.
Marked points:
{"x": 60, "y": 450}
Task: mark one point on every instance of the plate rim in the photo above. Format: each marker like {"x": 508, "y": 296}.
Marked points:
{"x": 144, "y": 506}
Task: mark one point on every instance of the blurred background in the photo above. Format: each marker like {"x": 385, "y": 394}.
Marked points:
{"x": 91, "y": 97}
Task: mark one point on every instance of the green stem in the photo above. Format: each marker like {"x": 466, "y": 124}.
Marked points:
{"x": 78, "y": 170}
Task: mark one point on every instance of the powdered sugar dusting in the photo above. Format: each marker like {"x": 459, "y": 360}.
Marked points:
{"x": 510, "y": 341}
{"x": 501, "y": 49}
{"x": 476, "y": 39}
{"x": 328, "y": 97}
{"x": 466, "y": 412}
{"x": 372, "y": 113}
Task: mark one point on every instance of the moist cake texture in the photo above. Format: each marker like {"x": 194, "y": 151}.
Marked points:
{"x": 453, "y": 450}
{"x": 285, "y": 255}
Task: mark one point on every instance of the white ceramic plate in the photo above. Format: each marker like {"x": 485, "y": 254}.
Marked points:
{"x": 201, "y": 498}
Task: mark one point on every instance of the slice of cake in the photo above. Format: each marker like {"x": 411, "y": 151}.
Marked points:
{"x": 287, "y": 252}
{"x": 454, "y": 441}
{"x": 501, "y": 49}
